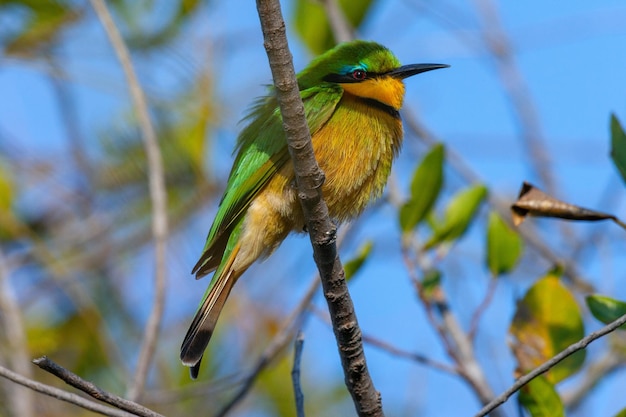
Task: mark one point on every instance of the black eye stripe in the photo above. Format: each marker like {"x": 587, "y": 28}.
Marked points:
{"x": 349, "y": 78}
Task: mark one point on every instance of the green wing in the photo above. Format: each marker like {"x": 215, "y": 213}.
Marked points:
{"x": 261, "y": 152}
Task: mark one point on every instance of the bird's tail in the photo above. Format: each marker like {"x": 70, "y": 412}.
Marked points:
{"x": 203, "y": 324}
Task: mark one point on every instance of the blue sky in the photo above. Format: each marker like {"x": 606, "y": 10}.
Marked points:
{"x": 571, "y": 57}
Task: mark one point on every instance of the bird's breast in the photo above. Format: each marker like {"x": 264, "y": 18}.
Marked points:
{"x": 355, "y": 149}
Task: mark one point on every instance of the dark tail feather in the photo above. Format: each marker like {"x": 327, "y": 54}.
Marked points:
{"x": 203, "y": 324}
{"x": 195, "y": 370}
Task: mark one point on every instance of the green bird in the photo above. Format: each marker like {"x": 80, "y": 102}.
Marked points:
{"x": 352, "y": 95}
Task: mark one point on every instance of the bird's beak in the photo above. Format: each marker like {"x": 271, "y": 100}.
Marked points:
{"x": 406, "y": 71}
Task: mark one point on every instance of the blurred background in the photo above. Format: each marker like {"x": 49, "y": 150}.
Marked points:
{"x": 528, "y": 97}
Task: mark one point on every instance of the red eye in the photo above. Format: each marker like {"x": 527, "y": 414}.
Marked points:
{"x": 359, "y": 74}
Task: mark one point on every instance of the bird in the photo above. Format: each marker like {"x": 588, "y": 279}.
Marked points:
{"x": 352, "y": 96}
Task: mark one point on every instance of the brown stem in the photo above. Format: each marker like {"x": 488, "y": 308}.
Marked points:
{"x": 19, "y": 400}
{"x": 309, "y": 179}
{"x": 295, "y": 374}
{"x": 158, "y": 197}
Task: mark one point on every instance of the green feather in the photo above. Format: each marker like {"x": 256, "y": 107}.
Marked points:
{"x": 262, "y": 151}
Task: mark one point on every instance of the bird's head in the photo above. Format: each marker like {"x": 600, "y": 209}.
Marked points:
{"x": 363, "y": 69}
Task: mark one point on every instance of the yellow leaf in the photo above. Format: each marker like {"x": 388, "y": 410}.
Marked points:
{"x": 547, "y": 321}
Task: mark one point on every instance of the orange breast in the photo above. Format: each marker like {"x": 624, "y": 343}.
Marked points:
{"x": 355, "y": 149}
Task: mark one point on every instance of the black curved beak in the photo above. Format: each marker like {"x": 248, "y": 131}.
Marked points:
{"x": 406, "y": 71}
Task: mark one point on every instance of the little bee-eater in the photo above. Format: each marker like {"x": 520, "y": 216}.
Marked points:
{"x": 352, "y": 95}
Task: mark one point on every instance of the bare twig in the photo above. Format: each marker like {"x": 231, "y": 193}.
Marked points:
{"x": 279, "y": 342}
{"x": 20, "y": 400}
{"x": 70, "y": 121}
{"x": 393, "y": 350}
{"x": 546, "y": 366}
{"x": 415, "y": 357}
{"x": 62, "y": 395}
{"x": 455, "y": 340}
{"x": 484, "y": 304}
{"x": 530, "y": 128}
{"x": 339, "y": 25}
{"x": 463, "y": 353}
{"x": 295, "y": 374}
{"x": 596, "y": 372}
{"x": 157, "y": 195}
{"x": 91, "y": 389}
{"x": 322, "y": 232}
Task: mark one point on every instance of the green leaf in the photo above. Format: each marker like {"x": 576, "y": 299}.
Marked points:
{"x": 312, "y": 24}
{"x": 541, "y": 399}
{"x": 504, "y": 246}
{"x": 547, "y": 320}
{"x": 353, "y": 265}
{"x": 606, "y": 309}
{"x": 618, "y": 146}
{"x": 458, "y": 215}
{"x": 425, "y": 188}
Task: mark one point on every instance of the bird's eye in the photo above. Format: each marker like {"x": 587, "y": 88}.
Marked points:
{"x": 359, "y": 74}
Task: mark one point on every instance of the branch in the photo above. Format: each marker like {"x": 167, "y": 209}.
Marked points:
{"x": 309, "y": 179}
{"x": 393, "y": 350}
{"x": 546, "y": 366}
{"x": 483, "y": 306}
{"x": 595, "y": 373}
{"x": 91, "y": 389}
{"x": 21, "y": 401}
{"x": 295, "y": 374}
{"x": 462, "y": 348}
{"x": 158, "y": 197}
{"x": 339, "y": 25}
{"x": 62, "y": 395}
{"x": 279, "y": 342}
{"x": 514, "y": 84}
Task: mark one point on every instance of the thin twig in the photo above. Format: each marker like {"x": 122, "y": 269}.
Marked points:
{"x": 513, "y": 82}
{"x": 415, "y": 357}
{"x": 295, "y": 373}
{"x": 596, "y": 372}
{"x": 90, "y": 388}
{"x": 466, "y": 361}
{"x": 339, "y": 26}
{"x": 20, "y": 400}
{"x": 70, "y": 121}
{"x": 430, "y": 316}
{"x": 158, "y": 198}
{"x": 456, "y": 342}
{"x": 62, "y": 395}
{"x": 322, "y": 232}
{"x": 549, "y": 364}
{"x": 279, "y": 342}
{"x": 391, "y": 349}
{"x": 482, "y": 307}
